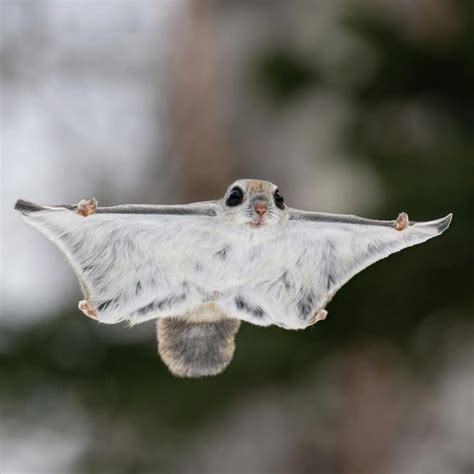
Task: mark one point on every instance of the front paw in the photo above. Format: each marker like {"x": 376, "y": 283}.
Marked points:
{"x": 87, "y": 309}
{"x": 402, "y": 221}
{"x": 86, "y": 207}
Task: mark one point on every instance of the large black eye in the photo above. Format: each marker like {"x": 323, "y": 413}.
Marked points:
{"x": 279, "y": 200}
{"x": 235, "y": 198}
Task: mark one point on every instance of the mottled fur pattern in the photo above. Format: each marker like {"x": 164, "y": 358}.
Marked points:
{"x": 141, "y": 262}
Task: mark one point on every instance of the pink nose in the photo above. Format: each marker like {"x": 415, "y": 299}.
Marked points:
{"x": 261, "y": 208}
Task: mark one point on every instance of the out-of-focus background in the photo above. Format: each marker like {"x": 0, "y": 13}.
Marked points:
{"x": 362, "y": 107}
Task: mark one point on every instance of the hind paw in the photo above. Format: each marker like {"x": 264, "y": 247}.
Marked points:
{"x": 319, "y": 316}
{"x": 87, "y": 309}
{"x": 86, "y": 207}
{"x": 402, "y": 221}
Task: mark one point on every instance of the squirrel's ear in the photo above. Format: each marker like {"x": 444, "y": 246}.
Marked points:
{"x": 192, "y": 349}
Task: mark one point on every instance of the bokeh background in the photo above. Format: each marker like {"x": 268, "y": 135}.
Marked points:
{"x": 362, "y": 107}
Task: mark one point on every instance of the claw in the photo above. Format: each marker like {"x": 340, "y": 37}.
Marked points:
{"x": 86, "y": 207}
{"x": 402, "y": 221}
{"x": 87, "y": 309}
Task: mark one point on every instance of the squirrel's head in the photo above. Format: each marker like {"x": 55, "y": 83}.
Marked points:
{"x": 254, "y": 203}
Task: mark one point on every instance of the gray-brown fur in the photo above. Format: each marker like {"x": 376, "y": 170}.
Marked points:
{"x": 162, "y": 210}
{"x": 336, "y": 218}
{"x": 195, "y": 210}
{"x": 196, "y": 349}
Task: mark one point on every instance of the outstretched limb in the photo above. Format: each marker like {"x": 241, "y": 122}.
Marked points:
{"x": 87, "y": 309}
{"x": 402, "y": 221}
{"x": 86, "y": 207}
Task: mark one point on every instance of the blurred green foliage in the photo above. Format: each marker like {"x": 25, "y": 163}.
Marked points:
{"x": 283, "y": 75}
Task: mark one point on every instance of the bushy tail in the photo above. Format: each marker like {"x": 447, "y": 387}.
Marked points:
{"x": 192, "y": 349}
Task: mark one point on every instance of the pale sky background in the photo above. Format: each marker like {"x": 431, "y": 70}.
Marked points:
{"x": 64, "y": 133}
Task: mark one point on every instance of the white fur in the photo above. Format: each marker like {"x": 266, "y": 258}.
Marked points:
{"x": 133, "y": 260}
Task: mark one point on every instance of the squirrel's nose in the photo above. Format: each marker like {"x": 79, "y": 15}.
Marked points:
{"x": 261, "y": 207}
